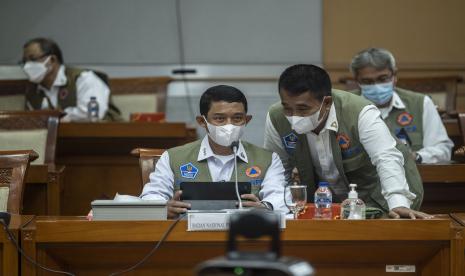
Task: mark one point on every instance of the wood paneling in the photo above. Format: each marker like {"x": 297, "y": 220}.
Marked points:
{"x": 332, "y": 247}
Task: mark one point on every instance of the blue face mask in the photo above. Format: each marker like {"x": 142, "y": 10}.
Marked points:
{"x": 379, "y": 93}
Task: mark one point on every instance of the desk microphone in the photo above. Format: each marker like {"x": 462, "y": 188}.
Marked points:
{"x": 234, "y": 146}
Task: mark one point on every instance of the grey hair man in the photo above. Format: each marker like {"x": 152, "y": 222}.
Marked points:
{"x": 412, "y": 117}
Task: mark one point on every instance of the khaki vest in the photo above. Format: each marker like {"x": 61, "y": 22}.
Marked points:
{"x": 350, "y": 158}
{"x": 186, "y": 168}
{"x": 67, "y": 95}
{"x": 409, "y": 118}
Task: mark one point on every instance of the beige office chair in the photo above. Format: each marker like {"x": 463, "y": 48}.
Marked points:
{"x": 139, "y": 95}
{"x": 12, "y": 94}
{"x": 460, "y": 152}
{"x": 36, "y": 130}
{"x": 13, "y": 168}
{"x": 148, "y": 158}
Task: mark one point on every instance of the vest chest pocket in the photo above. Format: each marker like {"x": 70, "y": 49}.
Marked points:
{"x": 356, "y": 162}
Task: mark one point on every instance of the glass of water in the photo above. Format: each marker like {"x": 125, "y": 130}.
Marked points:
{"x": 298, "y": 198}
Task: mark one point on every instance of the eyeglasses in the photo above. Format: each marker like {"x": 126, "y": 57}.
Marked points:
{"x": 379, "y": 79}
{"x": 24, "y": 60}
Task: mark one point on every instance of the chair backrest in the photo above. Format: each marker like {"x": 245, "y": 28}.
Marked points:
{"x": 12, "y": 94}
{"x": 148, "y": 158}
{"x": 442, "y": 90}
{"x": 13, "y": 167}
{"x": 461, "y": 117}
{"x": 37, "y": 130}
{"x": 139, "y": 95}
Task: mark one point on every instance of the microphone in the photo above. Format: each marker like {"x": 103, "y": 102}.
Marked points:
{"x": 234, "y": 146}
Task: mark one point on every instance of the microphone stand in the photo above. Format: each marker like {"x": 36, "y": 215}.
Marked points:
{"x": 234, "y": 147}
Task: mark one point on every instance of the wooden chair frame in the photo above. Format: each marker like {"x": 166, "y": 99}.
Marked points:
{"x": 13, "y": 169}
{"x": 148, "y": 159}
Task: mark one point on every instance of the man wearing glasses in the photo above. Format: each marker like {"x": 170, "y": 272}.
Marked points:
{"x": 411, "y": 117}
{"x": 223, "y": 114}
{"x": 55, "y": 86}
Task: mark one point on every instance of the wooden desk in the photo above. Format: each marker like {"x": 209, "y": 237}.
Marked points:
{"x": 332, "y": 247}
{"x": 98, "y": 161}
{"x": 9, "y": 254}
{"x": 43, "y": 190}
{"x": 460, "y": 242}
{"x": 444, "y": 186}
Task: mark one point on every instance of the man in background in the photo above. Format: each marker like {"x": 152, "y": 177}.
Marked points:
{"x": 411, "y": 117}
{"x": 56, "y": 86}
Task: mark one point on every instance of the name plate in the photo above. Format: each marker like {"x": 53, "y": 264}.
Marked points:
{"x": 217, "y": 220}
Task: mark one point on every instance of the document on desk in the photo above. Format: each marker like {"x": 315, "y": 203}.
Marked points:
{"x": 126, "y": 207}
{"x": 208, "y": 220}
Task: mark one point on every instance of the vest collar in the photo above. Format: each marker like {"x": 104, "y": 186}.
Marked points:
{"x": 206, "y": 152}
{"x": 60, "y": 79}
{"x": 396, "y": 102}
{"x": 331, "y": 122}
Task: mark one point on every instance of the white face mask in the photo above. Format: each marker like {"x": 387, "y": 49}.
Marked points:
{"x": 36, "y": 70}
{"x": 224, "y": 135}
{"x": 306, "y": 124}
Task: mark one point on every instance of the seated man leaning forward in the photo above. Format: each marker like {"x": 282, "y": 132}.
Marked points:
{"x": 411, "y": 117}
{"x": 339, "y": 137}
{"x": 223, "y": 112}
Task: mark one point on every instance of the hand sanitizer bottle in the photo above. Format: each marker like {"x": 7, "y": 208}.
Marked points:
{"x": 353, "y": 207}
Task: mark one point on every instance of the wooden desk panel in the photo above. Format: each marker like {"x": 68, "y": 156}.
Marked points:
{"x": 98, "y": 161}
{"x": 444, "y": 186}
{"x": 43, "y": 189}
{"x": 459, "y": 243}
{"x": 332, "y": 247}
{"x": 9, "y": 262}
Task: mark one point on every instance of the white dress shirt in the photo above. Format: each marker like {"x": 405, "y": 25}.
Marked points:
{"x": 437, "y": 147}
{"x": 161, "y": 185}
{"x": 375, "y": 138}
{"x": 87, "y": 85}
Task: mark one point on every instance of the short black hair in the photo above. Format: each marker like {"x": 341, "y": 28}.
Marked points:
{"x": 48, "y": 47}
{"x": 220, "y": 93}
{"x": 301, "y": 78}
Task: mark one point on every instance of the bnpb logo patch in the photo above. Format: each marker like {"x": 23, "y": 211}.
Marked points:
{"x": 343, "y": 141}
{"x": 253, "y": 171}
{"x": 404, "y": 119}
{"x": 188, "y": 171}
{"x": 290, "y": 140}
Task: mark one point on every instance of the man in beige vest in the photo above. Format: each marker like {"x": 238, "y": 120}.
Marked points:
{"x": 411, "y": 117}
{"x": 223, "y": 114}
{"x": 55, "y": 86}
{"x": 339, "y": 137}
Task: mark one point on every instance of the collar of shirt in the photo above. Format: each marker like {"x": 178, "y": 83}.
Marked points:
{"x": 331, "y": 122}
{"x": 396, "y": 102}
{"x": 60, "y": 79}
{"x": 206, "y": 151}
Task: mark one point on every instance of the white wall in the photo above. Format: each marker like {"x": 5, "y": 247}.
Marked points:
{"x": 222, "y": 39}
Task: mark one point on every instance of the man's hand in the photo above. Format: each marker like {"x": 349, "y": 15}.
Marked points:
{"x": 252, "y": 201}
{"x": 176, "y": 206}
{"x": 404, "y": 212}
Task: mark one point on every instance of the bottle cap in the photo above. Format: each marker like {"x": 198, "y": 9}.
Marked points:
{"x": 323, "y": 184}
{"x": 353, "y": 194}
{"x": 93, "y": 98}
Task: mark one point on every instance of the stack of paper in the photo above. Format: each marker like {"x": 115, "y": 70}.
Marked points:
{"x": 125, "y": 207}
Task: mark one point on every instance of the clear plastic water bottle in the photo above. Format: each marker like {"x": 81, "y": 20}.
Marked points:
{"x": 93, "y": 110}
{"x": 353, "y": 207}
{"x": 323, "y": 201}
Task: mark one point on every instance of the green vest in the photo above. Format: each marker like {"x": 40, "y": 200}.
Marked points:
{"x": 67, "y": 95}
{"x": 186, "y": 168}
{"x": 350, "y": 158}
{"x": 409, "y": 118}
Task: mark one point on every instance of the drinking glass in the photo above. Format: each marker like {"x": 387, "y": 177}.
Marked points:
{"x": 296, "y": 202}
